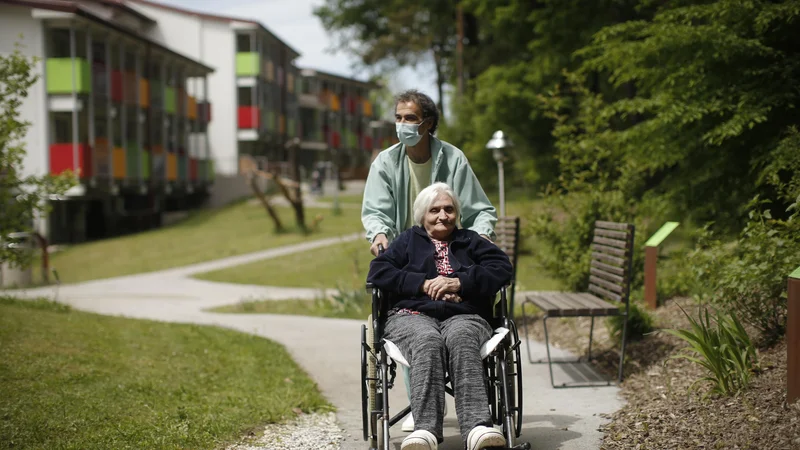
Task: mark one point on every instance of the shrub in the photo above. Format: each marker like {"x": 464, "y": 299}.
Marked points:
{"x": 722, "y": 347}
{"x": 640, "y": 322}
{"x": 748, "y": 276}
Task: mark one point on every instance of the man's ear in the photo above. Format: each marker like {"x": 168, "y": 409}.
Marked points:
{"x": 425, "y": 126}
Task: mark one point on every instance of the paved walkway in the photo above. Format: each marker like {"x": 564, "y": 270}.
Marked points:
{"x": 328, "y": 349}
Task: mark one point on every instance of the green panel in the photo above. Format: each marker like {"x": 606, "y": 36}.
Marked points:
{"x": 146, "y": 165}
{"x": 156, "y": 92}
{"x": 292, "y": 131}
{"x": 656, "y": 239}
{"x": 169, "y": 100}
{"x": 59, "y": 76}
{"x": 182, "y": 168}
{"x": 248, "y": 64}
{"x": 132, "y": 160}
{"x": 795, "y": 274}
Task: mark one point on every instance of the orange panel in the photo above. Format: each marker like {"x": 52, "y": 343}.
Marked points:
{"x": 119, "y": 162}
{"x": 192, "y": 108}
{"x": 144, "y": 93}
{"x": 172, "y": 166}
{"x": 335, "y": 104}
{"x": 282, "y": 126}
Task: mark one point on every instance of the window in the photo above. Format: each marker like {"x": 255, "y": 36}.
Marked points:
{"x": 59, "y": 43}
{"x": 62, "y": 127}
{"x": 245, "y": 96}
{"x": 243, "y": 43}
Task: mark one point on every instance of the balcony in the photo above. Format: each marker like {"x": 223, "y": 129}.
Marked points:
{"x": 204, "y": 111}
{"x": 62, "y": 158}
{"x": 172, "y": 167}
{"x": 248, "y": 64}
{"x": 59, "y": 76}
{"x": 249, "y": 117}
{"x": 144, "y": 93}
{"x": 119, "y": 163}
{"x": 192, "y": 108}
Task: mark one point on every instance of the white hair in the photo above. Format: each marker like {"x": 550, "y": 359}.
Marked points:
{"x": 429, "y": 195}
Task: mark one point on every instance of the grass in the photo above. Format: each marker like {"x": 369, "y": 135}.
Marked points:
{"x": 239, "y": 228}
{"x": 76, "y": 380}
{"x": 347, "y": 304}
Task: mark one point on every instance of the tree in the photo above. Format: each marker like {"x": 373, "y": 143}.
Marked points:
{"x": 21, "y": 196}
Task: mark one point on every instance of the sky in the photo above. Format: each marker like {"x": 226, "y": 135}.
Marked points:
{"x": 293, "y": 21}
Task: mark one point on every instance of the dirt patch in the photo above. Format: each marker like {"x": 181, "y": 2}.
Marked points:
{"x": 662, "y": 413}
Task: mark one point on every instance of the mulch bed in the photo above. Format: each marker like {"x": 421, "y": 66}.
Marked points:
{"x": 661, "y": 411}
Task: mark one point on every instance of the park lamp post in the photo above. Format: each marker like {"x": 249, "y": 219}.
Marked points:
{"x": 498, "y": 144}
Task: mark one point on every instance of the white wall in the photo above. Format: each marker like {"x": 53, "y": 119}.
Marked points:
{"x": 16, "y": 21}
{"x": 213, "y": 43}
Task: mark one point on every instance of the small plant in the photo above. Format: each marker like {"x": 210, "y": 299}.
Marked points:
{"x": 345, "y": 300}
{"x": 640, "y": 322}
{"x": 722, "y": 346}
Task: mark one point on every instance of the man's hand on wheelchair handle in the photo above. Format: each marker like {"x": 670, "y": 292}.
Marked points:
{"x": 380, "y": 239}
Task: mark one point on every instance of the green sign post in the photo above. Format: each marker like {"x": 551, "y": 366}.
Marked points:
{"x": 793, "y": 337}
{"x": 651, "y": 260}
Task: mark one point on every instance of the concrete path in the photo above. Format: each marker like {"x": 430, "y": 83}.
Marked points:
{"x": 328, "y": 349}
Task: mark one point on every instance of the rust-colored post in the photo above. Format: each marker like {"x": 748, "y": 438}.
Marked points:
{"x": 793, "y": 338}
{"x": 650, "y": 259}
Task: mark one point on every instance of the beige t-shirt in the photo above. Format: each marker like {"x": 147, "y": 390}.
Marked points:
{"x": 419, "y": 177}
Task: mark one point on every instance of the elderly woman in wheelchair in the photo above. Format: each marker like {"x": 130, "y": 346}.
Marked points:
{"x": 441, "y": 282}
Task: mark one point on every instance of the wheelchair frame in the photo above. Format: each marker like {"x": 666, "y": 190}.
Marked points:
{"x": 503, "y": 366}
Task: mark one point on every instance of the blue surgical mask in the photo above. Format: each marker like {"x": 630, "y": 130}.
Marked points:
{"x": 408, "y": 133}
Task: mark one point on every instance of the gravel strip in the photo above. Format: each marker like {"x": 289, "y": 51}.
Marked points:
{"x": 307, "y": 432}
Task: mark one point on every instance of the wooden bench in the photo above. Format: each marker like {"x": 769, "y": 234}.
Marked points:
{"x": 609, "y": 287}
{"x": 507, "y": 238}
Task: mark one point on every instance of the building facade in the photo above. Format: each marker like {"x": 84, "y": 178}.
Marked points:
{"x": 129, "y": 116}
{"x": 125, "y": 100}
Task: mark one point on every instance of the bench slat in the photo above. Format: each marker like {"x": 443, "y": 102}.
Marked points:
{"x": 607, "y": 249}
{"x": 612, "y": 234}
{"x": 611, "y": 225}
{"x": 596, "y": 305}
{"x": 601, "y": 291}
{"x": 608, "y": 258}
{"x": 545, "y": 303}
{"x": 609, "y": 268}
{"x": 607, "y": 276}
{"x": 612, "y": 242}
{"x": 606, "y": 284}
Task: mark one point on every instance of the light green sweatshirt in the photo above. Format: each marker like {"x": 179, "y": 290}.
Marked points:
{"x": 385, "y": 206}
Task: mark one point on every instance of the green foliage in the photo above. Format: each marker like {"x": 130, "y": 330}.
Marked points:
{"x": 21, "y": 195}
{"x": 640, "y": 322}
{"x": 722, "y": 347}
{"x": 748, "y": 276}
{"x": 346, "y": 302}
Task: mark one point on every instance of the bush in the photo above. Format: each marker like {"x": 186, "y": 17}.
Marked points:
{"x": 723, "y": 348}
{"x": 748, "y": 276}
{"x": 640, "y": 322}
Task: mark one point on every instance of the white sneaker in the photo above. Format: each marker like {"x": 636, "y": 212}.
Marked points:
{"x": 482, "y": 437}
{"x": 408, "y": 424}
{"x": 420, "y": 440}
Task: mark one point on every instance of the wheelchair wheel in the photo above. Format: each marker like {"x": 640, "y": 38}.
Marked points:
{"x": 514, "y": 382}
{"x": 371, "y": 386}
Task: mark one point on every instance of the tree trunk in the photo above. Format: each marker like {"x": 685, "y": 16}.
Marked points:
{"x": 263, "y": 199}
{"x": 437, "y": 58}
{"x": 297, "y": 203}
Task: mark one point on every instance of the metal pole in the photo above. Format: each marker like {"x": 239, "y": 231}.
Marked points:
{"x": 793, "y": 338}
{"x": 650, "y": 259}
{"x": 91, "y": 114}
{"x": 501, "y": 178}
{"x": 109, "y": 120}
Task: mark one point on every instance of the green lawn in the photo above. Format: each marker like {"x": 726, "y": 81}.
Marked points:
{"x": 76, "y": 380}
{"x": 206, "y": 235}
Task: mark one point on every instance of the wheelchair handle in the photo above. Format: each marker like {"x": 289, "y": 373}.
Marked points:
{"x": 381, "y": 249}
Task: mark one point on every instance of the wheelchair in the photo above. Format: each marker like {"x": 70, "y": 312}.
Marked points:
{"x": 379, "y": 359}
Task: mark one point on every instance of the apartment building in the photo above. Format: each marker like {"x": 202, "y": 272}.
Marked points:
{"x": 129, "y": 115}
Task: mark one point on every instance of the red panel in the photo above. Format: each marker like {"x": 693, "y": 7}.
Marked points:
{"x": 61, "y": 159}
{"x": 116, "y": 86}
{"x": 368, "y": 143}
{"x": 336, "y": 139}
{"x": 192, "y": 169}
{"x": 249, "y": 117}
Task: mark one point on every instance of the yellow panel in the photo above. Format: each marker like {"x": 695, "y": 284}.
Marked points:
{"x": 172, "y": 166}
{"x": 144, "y": 93}
{"x": 119, "y": 162}
{"x": 367, "y": 108}
{"x": 335, "y": 105}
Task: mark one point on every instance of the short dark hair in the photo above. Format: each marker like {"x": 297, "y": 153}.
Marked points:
{"x": 425, "y": 103}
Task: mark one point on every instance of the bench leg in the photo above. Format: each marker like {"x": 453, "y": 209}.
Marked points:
{"x": 525, "y": 327}
{"x": 622, "y": 353}
{"x": 547, "y": 346}
{"x": 591, "y": 332}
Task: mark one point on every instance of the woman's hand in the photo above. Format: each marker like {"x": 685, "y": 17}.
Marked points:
{"x": 452, "y": 298}
{"x": 439, "y": 286}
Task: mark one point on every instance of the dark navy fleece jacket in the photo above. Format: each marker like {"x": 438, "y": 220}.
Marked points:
{"x": 479, "y": 264}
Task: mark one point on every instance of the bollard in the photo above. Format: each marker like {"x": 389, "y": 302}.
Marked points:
{"x": 793, "y": 337}
{"x": 650, "y": 262}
